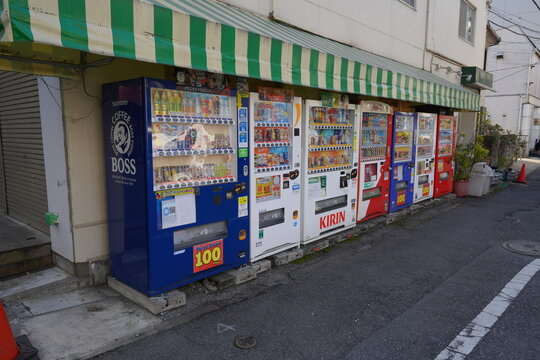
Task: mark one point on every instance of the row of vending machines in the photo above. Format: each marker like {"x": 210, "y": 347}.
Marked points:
{"x": 201, "y": 182}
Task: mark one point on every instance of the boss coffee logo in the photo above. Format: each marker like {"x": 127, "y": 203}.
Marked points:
{"x": 122, "y": 141}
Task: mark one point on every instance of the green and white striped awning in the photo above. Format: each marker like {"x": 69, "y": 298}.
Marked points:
{"x": 206, "y": 35}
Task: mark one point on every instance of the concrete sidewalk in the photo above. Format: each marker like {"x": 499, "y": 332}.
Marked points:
{"x": 531, "y": 164}
{"x": 68, "y": 318}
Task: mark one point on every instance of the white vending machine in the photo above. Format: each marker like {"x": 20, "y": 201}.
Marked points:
{"x": 426, "y": 130}
{"x": 275, "y": 180}
{"x": 330, "y": 159}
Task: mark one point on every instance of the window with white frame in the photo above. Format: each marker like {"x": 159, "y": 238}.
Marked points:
{"x": 411, "y": 3}
{"x": 467, "y": 15}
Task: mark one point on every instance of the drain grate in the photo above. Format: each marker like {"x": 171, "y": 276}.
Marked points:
{"x": 245, "y": 342}
{"x": 525, "y": 247}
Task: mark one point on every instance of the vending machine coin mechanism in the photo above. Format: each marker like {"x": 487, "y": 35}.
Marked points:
{"x": 446, "y": 143}
{"x": 275, "y": 148}
{"x": 177, "y": 202}
{"x": 403, "y": 161}
{"x": 426, "y": 131}
{"x": 330, "y": 170}
{"x": 375, "y": 130}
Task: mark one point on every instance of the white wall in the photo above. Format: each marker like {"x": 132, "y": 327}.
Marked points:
{"x": 389, "y": 28}
{"x": 54, "y": 153}
{"x": 513, "y": 80}
{"x": 504, "y": 111}
{"x": 443, "y": 32}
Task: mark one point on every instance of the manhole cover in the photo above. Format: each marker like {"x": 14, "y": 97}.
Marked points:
{"x": 245, "y": 342}
{"x": 525, "y": 247}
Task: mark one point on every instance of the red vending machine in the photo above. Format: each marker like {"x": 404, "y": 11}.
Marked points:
{"x": 376, "y": 139}
{"x": 444, "y": 168}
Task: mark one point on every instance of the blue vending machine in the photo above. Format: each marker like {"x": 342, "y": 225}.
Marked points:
{"x": 403, "y": 162}
{"x": 177, "y": 182}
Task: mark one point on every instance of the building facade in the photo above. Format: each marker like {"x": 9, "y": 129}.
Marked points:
{"x": 406, "y": 52}
{"x": 515, "y": 103}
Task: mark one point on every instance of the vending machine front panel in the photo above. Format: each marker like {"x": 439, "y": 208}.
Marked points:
{"x": 375, "y": 143}
{"x": 275, "y": 159}
{"x": 426, "y": 131}
{"x": 330, "y": 169}
{"x": 196, "y": 200}
{"x": 444, "y": 170}
{"x": 402, "y": 169}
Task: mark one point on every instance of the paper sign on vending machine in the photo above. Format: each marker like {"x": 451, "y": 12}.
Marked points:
{"x": 275, "y": 148}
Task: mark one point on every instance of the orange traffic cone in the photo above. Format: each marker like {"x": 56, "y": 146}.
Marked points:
{"x": 8, "y": 346}
{"x": 521, "y": 176}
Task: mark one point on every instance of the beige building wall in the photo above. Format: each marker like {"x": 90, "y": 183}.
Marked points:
{"x": 85, "y": 152}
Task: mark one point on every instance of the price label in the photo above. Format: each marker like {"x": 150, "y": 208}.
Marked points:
{"x": 208, "y": 255}
{"x": 401, "y": 198}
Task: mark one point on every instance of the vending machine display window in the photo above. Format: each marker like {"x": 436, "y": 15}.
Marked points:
{"x": 446, "y": 136}
{"x": 193, "y": 139}
{"x": 424, "y": 146}
{"x": 272, "y": 136}
{"x": 374, "y": 136}
{"x": 330, "y": 139}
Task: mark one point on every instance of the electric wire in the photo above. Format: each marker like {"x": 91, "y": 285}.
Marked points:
{"x": 535, "y": 3}
{"x": 507, "y": 76}
{"x": 515, "y": 15}
{"x": 510, "y": 68}
{"x": 513, "y": 31}
{"x": 513, "y": 22}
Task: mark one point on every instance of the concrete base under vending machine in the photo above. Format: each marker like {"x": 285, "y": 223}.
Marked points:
{"x": 155, "y": 304}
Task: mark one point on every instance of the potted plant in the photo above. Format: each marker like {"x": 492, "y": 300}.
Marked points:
{"x": 463, "y": 164}
{"x": 466, "y": 155}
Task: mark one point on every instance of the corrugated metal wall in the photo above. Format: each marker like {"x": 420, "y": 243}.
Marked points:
{"x": 23, "y": 192}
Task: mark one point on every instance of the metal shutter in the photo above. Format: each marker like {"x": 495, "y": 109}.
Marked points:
{"x": 24, "y": 192}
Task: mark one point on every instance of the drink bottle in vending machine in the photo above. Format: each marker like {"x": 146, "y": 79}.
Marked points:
{"x": 177, "y": 202}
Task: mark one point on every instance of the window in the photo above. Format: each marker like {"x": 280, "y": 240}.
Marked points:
{"x": 467, "y": 15}
{"x": 411, "y": 3}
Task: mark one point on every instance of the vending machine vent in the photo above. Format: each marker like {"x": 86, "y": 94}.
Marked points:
{"x": 199, "y": 234}
{"x": 371, "y": 193}
{"x": 330, "y": 204}
{"x": 272, "y": 217}
{"x": 424, "y": 179}
{"x": 402, "y": 185}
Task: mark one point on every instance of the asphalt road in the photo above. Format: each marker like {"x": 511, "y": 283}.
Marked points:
{"x": 421, "y": 283}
